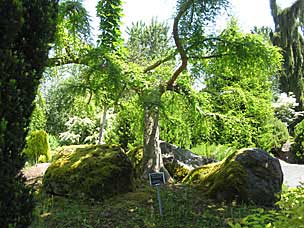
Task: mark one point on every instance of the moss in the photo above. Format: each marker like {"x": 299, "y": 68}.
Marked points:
{"x": 135, "y": 155}
{"x": 176, "y": 171}
{"x": 221, "y": 180}
{"x": 91, "y": 171}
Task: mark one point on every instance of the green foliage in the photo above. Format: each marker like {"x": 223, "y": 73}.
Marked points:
{"x": 239, "y": 81}
{"x": 62, "y": 103}
{"x": 37, "y": 148}
{"x": 74, "y": 19}
{"x": 197, "y": 20}
{"x": 276, "y": 135}
{"x": 79, "y": 131}
{"x": 289, "y": 214}
{"x": 146, "y": 45}
{"x": 176, "y": 113}
{"x": 72, "y": 33}
{"x": 38, "y": 117}
{"x": 147, "y": 42}
{"x": 109, "y": 13}
{"x": 217, "y": 152}
{"x": 298, "y": 147}
{"x": 288, "y": 35}
{"x": 127, "y": 125}
{"x": 27, "y": 28}
{"x": 53, "y": 141}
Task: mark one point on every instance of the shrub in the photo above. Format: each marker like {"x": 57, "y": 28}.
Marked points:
{"x": 80, "y": 131}
{"x": 126, "y": 126}
{"x": 53, "y": 141}
{"x": 298, "y": 147}
{"x": 274, "y": 135}
{"x": 285, "y": 106}
{"x": 290, "y": 213}
{"x": 37, "y": 147}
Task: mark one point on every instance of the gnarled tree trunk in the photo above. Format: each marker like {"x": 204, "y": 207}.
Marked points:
{"x": 152, "y": 157}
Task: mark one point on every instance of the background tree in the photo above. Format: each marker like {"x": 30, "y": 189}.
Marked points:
{"x": 240, "y": 82}
{"x": 288, "y": 35}
{"x": 38, "y": 117}
{"x": 27, "y": 28}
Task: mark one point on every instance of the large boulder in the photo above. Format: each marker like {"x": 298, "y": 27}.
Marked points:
{"x": 248, "y": 175}
{"x": 90, "y": 171}
{"x": 178, "y": 161}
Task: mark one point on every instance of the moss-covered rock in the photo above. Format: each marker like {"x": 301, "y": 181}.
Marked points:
{"x": 248, "y": 175}
{"x": 91, "y": 171}
{"x": 135, "y": 155}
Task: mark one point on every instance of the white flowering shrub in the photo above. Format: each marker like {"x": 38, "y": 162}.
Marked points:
{"x": 285, "y": 106}
{"x": 79, "y": 131}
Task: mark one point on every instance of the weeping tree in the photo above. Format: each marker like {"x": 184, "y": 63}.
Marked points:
{"x": 189, "y": 26}
{"x": 98, "y": 77}
{"x": 288, "y": 35}
{"x": 27, "y": 28}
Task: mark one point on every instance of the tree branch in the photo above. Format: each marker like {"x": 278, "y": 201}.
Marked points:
{"x": 159, "y": 62}
{"x": 52, "y": 62}
{"x": 179, "y": 44}
{"x": 210, "y": 56}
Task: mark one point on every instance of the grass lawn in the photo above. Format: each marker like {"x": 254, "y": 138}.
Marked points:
{"x": 183, "y": 207}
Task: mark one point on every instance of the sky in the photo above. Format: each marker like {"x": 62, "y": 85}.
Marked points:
{"x": 249, "y": 13}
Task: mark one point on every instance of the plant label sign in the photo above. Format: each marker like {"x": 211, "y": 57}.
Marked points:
{"x": 157, "y": 179}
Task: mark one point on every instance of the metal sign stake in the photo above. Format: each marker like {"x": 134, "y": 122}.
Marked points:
{"x": 159, "y": 200}
{"x": 156, "y": 180}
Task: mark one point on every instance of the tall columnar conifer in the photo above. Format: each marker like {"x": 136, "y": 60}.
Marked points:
{"x": 27, "y": 28}
{"x": 288, "y": 35}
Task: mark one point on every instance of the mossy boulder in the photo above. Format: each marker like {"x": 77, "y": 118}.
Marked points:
{"x": 248, "y": 175}
{"x": 178, "y": 161}
{"x": 90, "y": 171}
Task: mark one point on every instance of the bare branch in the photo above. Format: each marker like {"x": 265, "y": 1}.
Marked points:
{"x": 179, "y": 44}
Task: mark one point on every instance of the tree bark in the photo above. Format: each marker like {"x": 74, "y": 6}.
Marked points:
{"x": 102, "y": 124}
{"x": 152, "y": 157}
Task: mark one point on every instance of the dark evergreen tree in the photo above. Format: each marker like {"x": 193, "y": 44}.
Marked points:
{"x": 288, "y": 35}
{"x": 27, "y": 28}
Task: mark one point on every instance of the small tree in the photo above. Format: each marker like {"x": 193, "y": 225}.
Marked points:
{"x": 37, "y": 147}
